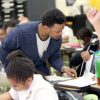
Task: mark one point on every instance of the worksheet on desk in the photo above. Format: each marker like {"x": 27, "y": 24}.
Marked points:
{"x": 55, "y": 78}
{"x": 83, "y": 81}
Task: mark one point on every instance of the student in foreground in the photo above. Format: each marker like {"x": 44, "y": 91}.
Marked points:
{"x": 25, "y": 84}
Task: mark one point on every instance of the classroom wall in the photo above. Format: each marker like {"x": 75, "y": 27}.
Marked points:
{"x": 35, "y": 8}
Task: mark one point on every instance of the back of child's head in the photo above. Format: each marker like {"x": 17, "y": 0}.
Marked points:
{"x": 84, "y": 32}
{"x": 11, "y": 23}
{"x": 19, "y": 67}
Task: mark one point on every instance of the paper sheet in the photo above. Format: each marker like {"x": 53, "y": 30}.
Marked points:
{"x": 83, "y": 81}
{"x": 55, "y": 78}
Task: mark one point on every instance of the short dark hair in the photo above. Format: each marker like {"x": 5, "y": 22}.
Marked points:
{"x": 84, "y": 32}
{"x": 11, "y": 23}
{"x": 53, "y": 16}
{"x": 19, "y": 68}
{"x": 2, "y": 25}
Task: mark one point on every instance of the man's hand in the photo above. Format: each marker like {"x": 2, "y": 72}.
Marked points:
{"x": 69, "y": 71}
{"x": 23, "y": 20}
{"x": 85, "y": 56}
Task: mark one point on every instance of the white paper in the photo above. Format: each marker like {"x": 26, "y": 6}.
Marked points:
{"x": 83, "y": 81}
{"x": 55, "y": 78}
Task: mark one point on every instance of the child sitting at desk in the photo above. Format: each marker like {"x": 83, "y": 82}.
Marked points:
{"x": 79, "y": 59}
{"x": 26, "y": 85}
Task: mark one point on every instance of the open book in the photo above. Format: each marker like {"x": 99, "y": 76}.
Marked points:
{"x": 80, "y": 82}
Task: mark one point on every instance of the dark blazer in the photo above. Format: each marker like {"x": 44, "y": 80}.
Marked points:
{"x": 23, "y": 38}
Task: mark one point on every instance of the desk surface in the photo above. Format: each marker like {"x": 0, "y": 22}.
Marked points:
{"x": 93, "y": 89}
{"x": 71, "y": 46}
{"x": 67, "y": 88}
{"x": 95, "y": 86}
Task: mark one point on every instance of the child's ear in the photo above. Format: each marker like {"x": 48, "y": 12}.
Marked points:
{"x": 46, "y": 27}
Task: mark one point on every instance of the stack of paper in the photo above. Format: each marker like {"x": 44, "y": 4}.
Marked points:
{"x": 83, "y": 81}
{"x": 55, "y": 78}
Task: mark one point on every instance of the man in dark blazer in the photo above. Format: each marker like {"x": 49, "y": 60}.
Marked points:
{"x": 40, "y": 41}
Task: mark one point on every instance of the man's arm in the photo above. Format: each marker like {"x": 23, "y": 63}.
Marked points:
{"x": 55, "y": 60}
{"x": 5, "y": 96}
{"x": 58, "y": 64}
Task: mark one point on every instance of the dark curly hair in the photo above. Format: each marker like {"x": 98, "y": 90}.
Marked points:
{"x": 84, "y": 32}
{"x": 19, "y": 68}
{"x": 53, "y": 16}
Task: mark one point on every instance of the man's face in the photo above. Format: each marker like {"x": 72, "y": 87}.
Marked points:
{"x": 55, "y": 31}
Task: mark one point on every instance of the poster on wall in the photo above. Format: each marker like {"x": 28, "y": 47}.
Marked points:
{"x": 70, "y": 2}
